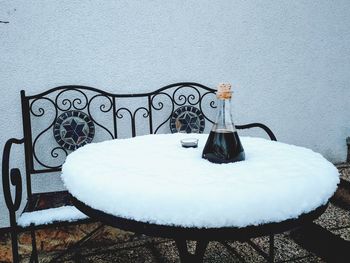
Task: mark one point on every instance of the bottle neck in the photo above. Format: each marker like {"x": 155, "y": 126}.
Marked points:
{"x": 224, "y": 121}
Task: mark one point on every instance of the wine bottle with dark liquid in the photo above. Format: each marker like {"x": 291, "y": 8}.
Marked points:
{"x": 223, "y": 144}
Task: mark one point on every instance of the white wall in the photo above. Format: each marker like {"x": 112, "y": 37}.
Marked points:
{"x": 289, "y": 61}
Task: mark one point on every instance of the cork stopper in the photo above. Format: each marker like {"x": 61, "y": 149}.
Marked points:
{"x": 224, "y": 91}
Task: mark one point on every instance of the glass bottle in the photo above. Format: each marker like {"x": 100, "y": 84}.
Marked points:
{"x": 223, "y": 144}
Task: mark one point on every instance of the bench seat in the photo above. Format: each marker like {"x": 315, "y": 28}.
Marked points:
{"x": 48, "y": 208}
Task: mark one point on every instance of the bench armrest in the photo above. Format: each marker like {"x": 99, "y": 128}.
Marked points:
{"x": 13, "y": 175}
{"x": 258, "y": 125}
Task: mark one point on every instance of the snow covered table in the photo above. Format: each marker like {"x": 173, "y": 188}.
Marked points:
{"x": 152, "y": 185}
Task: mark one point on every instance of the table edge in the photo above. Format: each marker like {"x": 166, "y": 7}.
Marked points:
{"x": 194, "y": 233}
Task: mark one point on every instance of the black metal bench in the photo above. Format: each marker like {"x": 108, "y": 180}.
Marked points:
{"x": 64, "y": 118}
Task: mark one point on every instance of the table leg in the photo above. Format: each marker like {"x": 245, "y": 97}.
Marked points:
{"x": 272, "y": 248}
{"x": 186, "y": 256}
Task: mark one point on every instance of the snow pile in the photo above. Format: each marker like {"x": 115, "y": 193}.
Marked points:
{"x": 153, "y": 179}
{"x": 48, "y": 216}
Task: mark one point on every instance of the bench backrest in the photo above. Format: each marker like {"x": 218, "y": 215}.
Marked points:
{"x": 64, "y": 118}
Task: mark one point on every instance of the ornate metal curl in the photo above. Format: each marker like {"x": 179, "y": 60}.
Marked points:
{"x": 40, "y": 109}
{"x": 42, "y": 113}
{"x": 212, "y": 104}
{"x": 71, "y": 103}
{"x": 190, "y": 99}
{"x": 119, "y": 115}
{"x": 103, "y": 108}
{"x": 13, "y": 176}
{"x": 145, "y": 115}
{"x": 161, "y": 106}
{"x": 54, "y": 154}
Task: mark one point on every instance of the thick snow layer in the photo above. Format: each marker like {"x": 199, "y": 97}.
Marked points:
{"x": 153, "y": 179}
{"x": 47, "y": 216}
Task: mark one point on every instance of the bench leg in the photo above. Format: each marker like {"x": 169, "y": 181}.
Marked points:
{"x": 34, "y": 255}
{"x": 14, "y": 243}
{"x": 186, "y": 256}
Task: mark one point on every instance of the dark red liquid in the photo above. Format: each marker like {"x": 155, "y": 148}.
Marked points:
{"x": 223, "y": 147}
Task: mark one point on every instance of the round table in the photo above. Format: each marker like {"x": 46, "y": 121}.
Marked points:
{"x": 152, "y": 185}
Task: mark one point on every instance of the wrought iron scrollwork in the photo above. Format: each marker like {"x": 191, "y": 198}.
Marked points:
{"x": 104, "y": 108}
{"x": 61, "y": 101}
{"x": 183, "y": 94}
{"x": 69, "y": 103}
{"x": 120, "y": 115}
{"x": 54, "y": 153}
{"x": 212, "y": 104}
{"x": 144, "y": 115}
{"x": 40, "y": 109}
{"x": 41, "y": 113}
{"x": 160, "y": 105}
{"x": 132, "y": 116}
{"x": 13, "y": 176}
{"x": 73, "y": 103}
{"x": 182, "y": 99}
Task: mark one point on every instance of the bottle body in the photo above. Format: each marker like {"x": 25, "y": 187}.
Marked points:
{"x": 223, "y": 144}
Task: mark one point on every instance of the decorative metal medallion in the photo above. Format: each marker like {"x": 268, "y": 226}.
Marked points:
{"x": 73, "y": 129}
{"x": 187, "y": 119}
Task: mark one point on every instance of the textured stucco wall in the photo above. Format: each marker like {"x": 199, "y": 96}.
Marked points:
{"x": 289, "y": 61}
